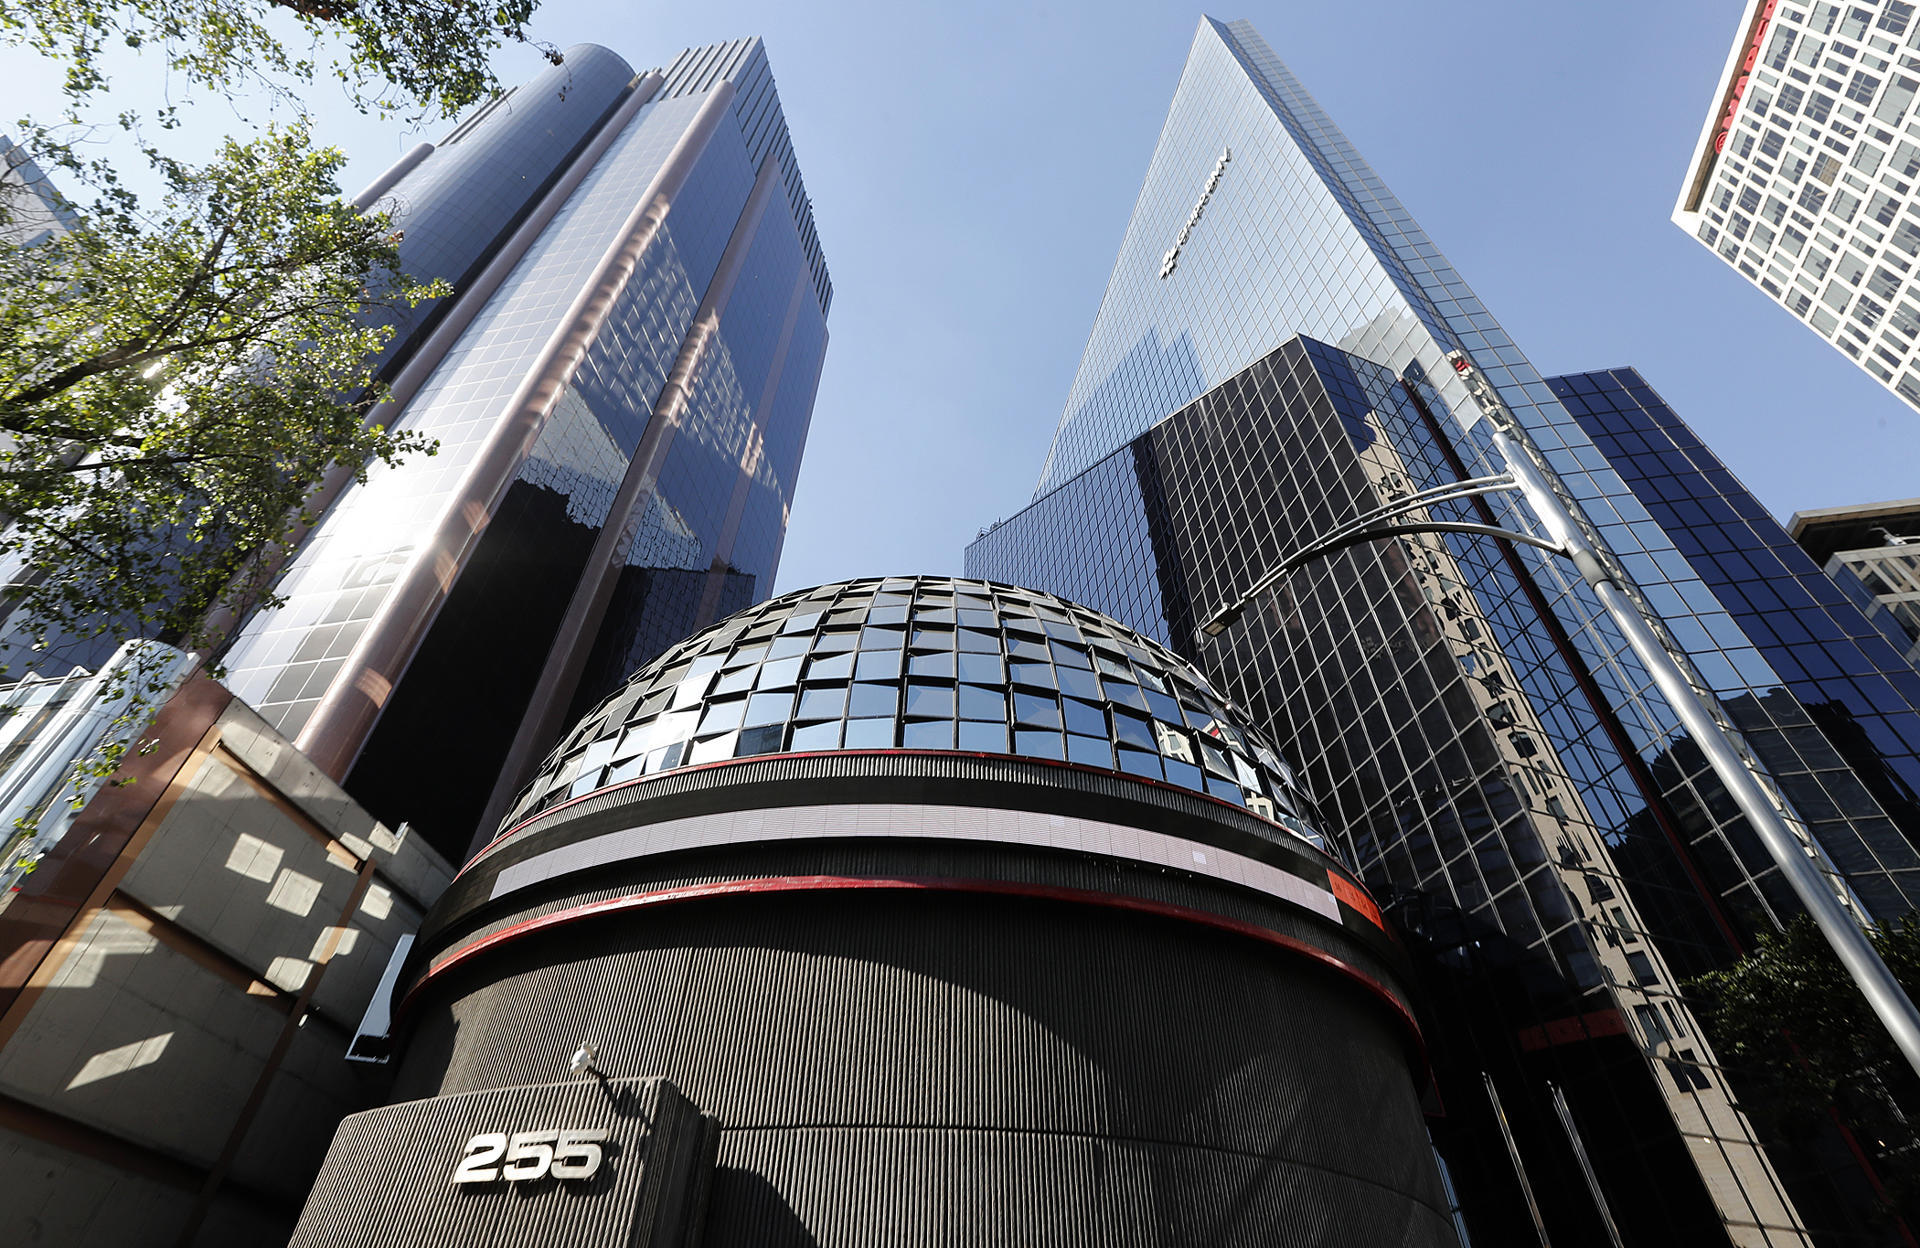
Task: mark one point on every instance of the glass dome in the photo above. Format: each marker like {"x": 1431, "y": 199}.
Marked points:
{"x": 925, "y": 663}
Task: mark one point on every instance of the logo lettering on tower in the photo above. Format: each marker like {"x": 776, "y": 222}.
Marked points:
{"x": 1171, "y": 260}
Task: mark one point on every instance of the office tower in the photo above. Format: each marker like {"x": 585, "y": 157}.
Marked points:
{"x": 30, "y": 209}
{"x": 1872, "y": 552}
{"x": 1271, "y": 360}
{"x": 1803, "y": 173}
{"x": 958, "y": 913}
{"x": 620, "y": 387}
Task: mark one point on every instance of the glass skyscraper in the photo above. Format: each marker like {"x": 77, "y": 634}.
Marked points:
{"x": 1269, "y": 361}
{"x": 620, "y": 387}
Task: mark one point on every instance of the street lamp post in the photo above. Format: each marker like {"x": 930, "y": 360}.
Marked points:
{"x": 1863, "y": 964}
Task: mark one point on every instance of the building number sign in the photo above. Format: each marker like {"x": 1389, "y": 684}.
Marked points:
{"x": 530, "y": 1155}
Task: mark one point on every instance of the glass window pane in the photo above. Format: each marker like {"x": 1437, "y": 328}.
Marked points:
{"x": 833, "y": 643}
{"x": 1079, "y": 683}
{"x": 887, "y": 615}
{"x": 816, "y": 737}
{"x": 787, "y": 647}
{"x": 882, "y": 638}
{"x": 801, "y": 623}
{"x": 1040, "y": 674}
{"x": 734, "y": 682}
{"x": 1022, "y": 648}
{"x": 984, "y": 643}
{"x": 769, "y": 708}
{"x": 932, "y": 664}
{"x": 929, "y": 701}
{"x": 1037, "y": 744}
{"x": 828, "y": 703}
{"x": 830, "y": 667}
{"x": 1036, "y": 710}
{"x": 870, "y": 734}
{"x": 986, "y": 738}
{"x": 1164, "y": 707}
{"x": 1082, "y": 718}
{"x": 986, "y": 669}
{"x": 779, "y": 674}
{"x": 692, "y": 687}
{"x": 873, "y": 700}
{"x": 1093, "y": 751}
{"x": 932, "y": 638}
{"x": 933, "y": 734}
{"x": 764, "y": 740}
{"x": 1140, "y": 764}
{"x": 879, "y": 665}
{"x": 1130, "y": 731}
{"x": 713, "y": 749}
{"x": 721, "y": 716}
{"x": 977, "y": 703}
{"x": 1068, "y": 656}
{"x": 1185, "y": 775}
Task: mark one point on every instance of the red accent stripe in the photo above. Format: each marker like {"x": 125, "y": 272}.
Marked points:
{"x": 1593, "y": 1025}
{"x": 841, "y": 883}
{"x": 1355, "y": 896}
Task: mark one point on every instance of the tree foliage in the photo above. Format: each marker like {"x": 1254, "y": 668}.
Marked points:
{"x": 433, "y": 52}
{"x": 174, "y": 383}
{"x": 1789, "y": 1018}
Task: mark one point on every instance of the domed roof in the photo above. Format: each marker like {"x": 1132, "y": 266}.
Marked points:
{"x": 925, "y": 663}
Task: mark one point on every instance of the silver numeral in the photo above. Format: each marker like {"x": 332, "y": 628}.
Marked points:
{"x": 482, "y": 1151}
{"x": 578, "y": 1154}
{"x": 532, "y": 1155}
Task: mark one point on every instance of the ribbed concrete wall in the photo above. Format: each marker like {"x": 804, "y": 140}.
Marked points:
{"x": 387, "y": 1182}
{"x": 951, "y": 1069}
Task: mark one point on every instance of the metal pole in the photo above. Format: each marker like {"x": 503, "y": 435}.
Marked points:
{"x": 1513, "y": 1151}
{"x": 1883, "y": 992}
{"x": 1586, "y": 1166}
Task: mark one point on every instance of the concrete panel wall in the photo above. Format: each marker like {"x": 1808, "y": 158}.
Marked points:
{"x": 174, "y": 1071}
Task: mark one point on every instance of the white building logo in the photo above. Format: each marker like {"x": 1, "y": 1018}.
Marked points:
{"x": 1171, "y": 260}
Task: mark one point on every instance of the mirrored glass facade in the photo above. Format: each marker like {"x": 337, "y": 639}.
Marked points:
{"x": 620, "y": 416}
{"x": 1478, "y": 737}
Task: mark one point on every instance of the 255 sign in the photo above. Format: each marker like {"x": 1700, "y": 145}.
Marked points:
{"x": 529, "y": 1155}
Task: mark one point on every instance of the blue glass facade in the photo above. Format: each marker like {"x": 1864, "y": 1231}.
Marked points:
{"x": 1847, "y": 678}
{"x": 620, "y": 421}
{"x": 1479, "y": 738}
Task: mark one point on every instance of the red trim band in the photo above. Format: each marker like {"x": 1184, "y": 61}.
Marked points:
{"x": 843, "y": 883}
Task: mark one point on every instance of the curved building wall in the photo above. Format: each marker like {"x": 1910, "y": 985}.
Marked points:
{"x": 459, "y": 203}
{"x": 938, "y": 994}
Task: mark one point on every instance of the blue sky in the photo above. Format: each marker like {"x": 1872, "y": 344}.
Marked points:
{"x": 973, "y": 166}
